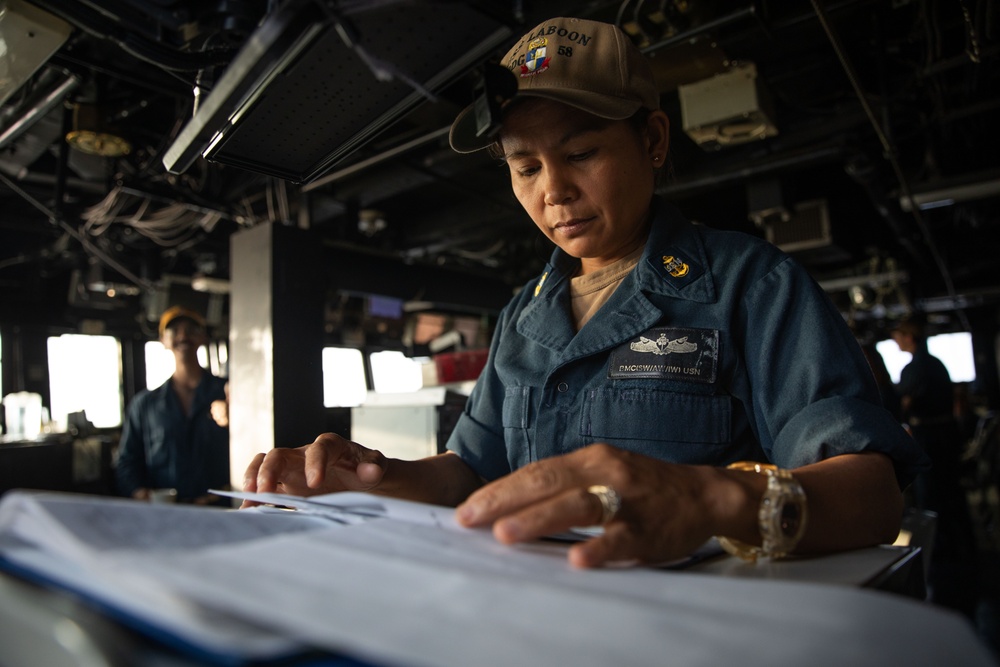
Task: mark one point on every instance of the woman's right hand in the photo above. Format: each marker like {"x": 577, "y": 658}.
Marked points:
{"x": 331, "y": 463}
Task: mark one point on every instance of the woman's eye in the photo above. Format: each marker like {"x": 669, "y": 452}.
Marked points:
{"x": 527, "y": 171}
{"x": 582, "y": 155}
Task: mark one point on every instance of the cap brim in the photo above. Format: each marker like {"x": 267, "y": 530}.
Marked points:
{"x": 462, "y": 136}
{"x": 183, "y": 313}
{"x": 464, "y": 139}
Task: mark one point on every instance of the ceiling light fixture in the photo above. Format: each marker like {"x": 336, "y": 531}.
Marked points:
{"x": 92, "y": 135}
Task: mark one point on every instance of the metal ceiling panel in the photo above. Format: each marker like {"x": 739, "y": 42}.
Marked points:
{"x": 314, "y": 83}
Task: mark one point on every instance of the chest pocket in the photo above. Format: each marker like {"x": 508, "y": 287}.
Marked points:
{"x": 157, "y": 453}
{"x": 655, "y": 416}
{"x": 516, "y": 419}
{"x": 515, "y": 407}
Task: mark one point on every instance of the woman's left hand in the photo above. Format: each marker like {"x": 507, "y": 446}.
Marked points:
{"x": 667, "y": 510}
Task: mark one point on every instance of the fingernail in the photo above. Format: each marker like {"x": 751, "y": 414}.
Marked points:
{"x": 508, "y": 530}
{"x": 465, "y": 513}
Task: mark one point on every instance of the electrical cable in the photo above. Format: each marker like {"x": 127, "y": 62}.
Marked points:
{"x": 170, "y": 226}
{"x": 82, "y": 238}
{"x": 621, "y": 13}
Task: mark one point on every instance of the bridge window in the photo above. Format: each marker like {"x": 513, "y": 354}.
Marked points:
{"x": 160, "y": 363}
{"x": 953, "y": 349}
{"x": 343, "y": 377}
{"x": 85, "y": 374}
{"x": 393, "y": 372}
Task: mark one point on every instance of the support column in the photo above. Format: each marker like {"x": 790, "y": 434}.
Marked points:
{"x": 275, "y": 342}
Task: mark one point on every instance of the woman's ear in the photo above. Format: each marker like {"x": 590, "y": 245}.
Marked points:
{"x": 658, "y": 136}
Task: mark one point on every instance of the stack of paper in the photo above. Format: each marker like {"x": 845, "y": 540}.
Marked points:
{"x": 398, "y": 583}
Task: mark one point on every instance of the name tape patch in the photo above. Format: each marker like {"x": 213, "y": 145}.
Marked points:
{"x": 668, "y": 353}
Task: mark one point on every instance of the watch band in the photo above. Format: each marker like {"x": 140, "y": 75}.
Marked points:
{"x": 781, "y": 517}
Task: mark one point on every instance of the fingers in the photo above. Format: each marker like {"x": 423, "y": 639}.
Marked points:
{"x": 521, "y": 489}
{"x": 329, "y": 464}
{"x": 548, "y": 497}
{"x": 577, "y": 507}
{"x": 281, "y": 470}
{"x": 616, "y": 545}
{"x": 572, "y": 508}
{"x": 332, "y": 459}
{"x": 275, "y": 468}
{"x": 651, "y": 512}
{"x": 370, "y": 473}
{"x": 250, "y": 476}
{"x": 316, "y": 458}
{"x": 250, "y": 479}
{"x": 220, "y": 412}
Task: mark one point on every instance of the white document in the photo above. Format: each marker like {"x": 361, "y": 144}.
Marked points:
{"x": 74, "y": 541}
{"x": 348, "y": 507}
{"x": 421, "y": 591}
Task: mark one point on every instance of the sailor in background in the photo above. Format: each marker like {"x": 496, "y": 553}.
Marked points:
{"x": 170, "y": 440}
{"x": 927, "y": 401}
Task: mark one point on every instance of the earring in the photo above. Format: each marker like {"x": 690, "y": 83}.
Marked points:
{"x": 656, "y": 158}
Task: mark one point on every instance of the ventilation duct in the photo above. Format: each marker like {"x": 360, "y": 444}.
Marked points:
{"x": 806, "y": 233}
{"x": 727, "y": 109}
{"x": 807, "y": 229}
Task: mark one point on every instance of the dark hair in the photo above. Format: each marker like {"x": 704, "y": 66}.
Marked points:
{"x": 910, "y": 328}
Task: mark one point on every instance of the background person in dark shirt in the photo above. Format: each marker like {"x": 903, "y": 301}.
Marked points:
{"x": 170, "y": 439}
{"x": 927, "y": 404}
{"x": 886, "y": 389}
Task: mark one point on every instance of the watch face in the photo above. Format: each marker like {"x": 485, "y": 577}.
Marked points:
{"x": 791, "y": 519}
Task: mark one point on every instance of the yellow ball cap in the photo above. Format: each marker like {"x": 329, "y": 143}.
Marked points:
{"x": 173, "y": 313}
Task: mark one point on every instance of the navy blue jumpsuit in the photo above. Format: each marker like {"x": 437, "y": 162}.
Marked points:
{"x": 161, "y": 447}
{"x": 718, "y": 347}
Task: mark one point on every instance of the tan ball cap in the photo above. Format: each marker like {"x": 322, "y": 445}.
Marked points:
{"x": 589, "y": 65}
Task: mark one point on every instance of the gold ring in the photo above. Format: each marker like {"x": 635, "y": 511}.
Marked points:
{"x": 611, "y": 502}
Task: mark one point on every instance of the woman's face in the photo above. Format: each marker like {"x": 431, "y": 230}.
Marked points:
{"x": 585, "y": 181}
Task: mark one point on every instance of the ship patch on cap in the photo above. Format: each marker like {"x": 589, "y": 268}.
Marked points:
{"x": 536, "y": 59}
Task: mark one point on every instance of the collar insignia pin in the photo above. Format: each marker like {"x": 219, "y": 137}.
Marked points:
{"x": 675, "y": 267}
{"x": 538, "y": 287}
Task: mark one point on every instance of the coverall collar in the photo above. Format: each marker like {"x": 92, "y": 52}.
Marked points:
{"x": 674, "y": 264}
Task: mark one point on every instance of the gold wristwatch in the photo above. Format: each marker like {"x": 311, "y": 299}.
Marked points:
{"x": 781, "y": 517}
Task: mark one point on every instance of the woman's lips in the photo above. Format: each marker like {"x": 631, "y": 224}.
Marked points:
{"x": 572, "y": 227}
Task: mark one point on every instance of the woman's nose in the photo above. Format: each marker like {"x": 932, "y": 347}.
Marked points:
{"x": 559, "y": 187}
